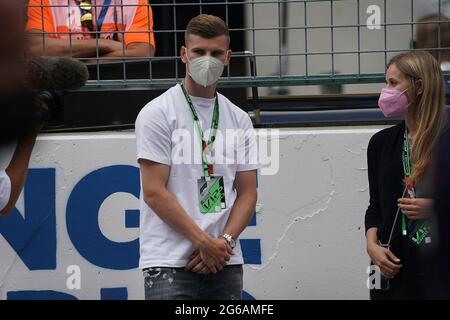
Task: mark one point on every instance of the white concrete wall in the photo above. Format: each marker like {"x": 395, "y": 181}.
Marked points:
{"x": 309, "y": 221}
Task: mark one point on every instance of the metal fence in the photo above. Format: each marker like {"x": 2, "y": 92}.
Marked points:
{"x": 282, "y": 43}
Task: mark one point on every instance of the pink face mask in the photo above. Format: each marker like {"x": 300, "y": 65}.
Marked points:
{"x": 393, "y": 102}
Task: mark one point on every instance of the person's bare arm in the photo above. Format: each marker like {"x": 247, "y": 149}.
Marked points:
{"x": 85, "y": 48}
{"x": 18, "y": 169}
{"x": 240, "y": 215}
{"x": 135, "y": 49}
{"x": 244, "y": 206}
{"x": 154, "y": 179}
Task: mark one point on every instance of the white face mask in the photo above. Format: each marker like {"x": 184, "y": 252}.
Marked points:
{"x": 205, "y": 70}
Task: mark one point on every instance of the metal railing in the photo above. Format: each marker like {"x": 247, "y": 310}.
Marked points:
{"x": 292, "y": 42}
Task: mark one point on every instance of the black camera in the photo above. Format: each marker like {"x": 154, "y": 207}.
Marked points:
{"x": 52, "y": 110}
{"x": 22, "y": 111}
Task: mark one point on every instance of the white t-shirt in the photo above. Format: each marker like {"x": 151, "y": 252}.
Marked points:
{"x": 5, "y": 189}
{"x": 165, "y": 134}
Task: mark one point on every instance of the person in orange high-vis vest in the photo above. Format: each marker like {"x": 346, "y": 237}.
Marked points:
{"x": 90, "y": 28}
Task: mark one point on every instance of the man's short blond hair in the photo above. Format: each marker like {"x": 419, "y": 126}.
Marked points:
{"x": 206, "y": 26}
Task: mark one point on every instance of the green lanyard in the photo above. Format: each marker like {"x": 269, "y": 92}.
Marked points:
{"x": 207, "y": 166}
{"x": 407, "y": 170}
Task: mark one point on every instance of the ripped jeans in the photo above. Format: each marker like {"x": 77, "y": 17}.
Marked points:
{"x": 163, "y": 283}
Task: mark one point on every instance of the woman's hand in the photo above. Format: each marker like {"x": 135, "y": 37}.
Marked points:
{"x": 388, "y": 263}
{"x": 416, "y": 209}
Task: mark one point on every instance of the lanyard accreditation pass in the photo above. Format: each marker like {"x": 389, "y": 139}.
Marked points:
{"x": 422, "y": 231}
{"x": 204, "y": 145}
{"x": 86, "y": 7}
{"x": 211, "y": 189}
{"x": 407, "y": 171}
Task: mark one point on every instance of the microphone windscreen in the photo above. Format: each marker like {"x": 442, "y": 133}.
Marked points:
{"x": 57, "y": 74}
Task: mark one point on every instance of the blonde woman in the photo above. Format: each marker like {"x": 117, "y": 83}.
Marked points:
{"x": 397, "y": 221}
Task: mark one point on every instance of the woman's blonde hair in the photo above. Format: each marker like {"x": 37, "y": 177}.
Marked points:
{"x": 427, "y": 105}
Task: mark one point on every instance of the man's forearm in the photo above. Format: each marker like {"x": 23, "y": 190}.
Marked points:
{"x": 241, "y": 214}
{"x": 138, "y": 50}
{"x": 86, "y": 48}
{"x": 129, "y": 52}
{"x": 171, "y": 212}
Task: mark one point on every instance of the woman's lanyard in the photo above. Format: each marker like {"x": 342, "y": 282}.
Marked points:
{"x": 407, "y": 169}
{"x": 102, "y": 15}
{"x": 204, "y": 145}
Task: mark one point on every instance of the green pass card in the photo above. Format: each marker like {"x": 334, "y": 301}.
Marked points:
{"x": 421, "y": 233}
{"x": 211, "y": 195}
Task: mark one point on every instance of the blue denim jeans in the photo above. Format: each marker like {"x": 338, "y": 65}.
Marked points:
{"x": 162, "y": 283}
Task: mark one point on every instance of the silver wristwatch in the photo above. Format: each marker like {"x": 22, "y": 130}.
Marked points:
{"x": 230, "y": 240}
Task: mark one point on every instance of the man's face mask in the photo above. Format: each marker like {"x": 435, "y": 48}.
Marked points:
{"x": 205, "y": 70}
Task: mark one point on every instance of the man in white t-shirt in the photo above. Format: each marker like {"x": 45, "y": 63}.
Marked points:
{"x": 198, "y": 159}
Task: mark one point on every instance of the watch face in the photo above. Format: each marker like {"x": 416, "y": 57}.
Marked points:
{"x": 230, "y": 240}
